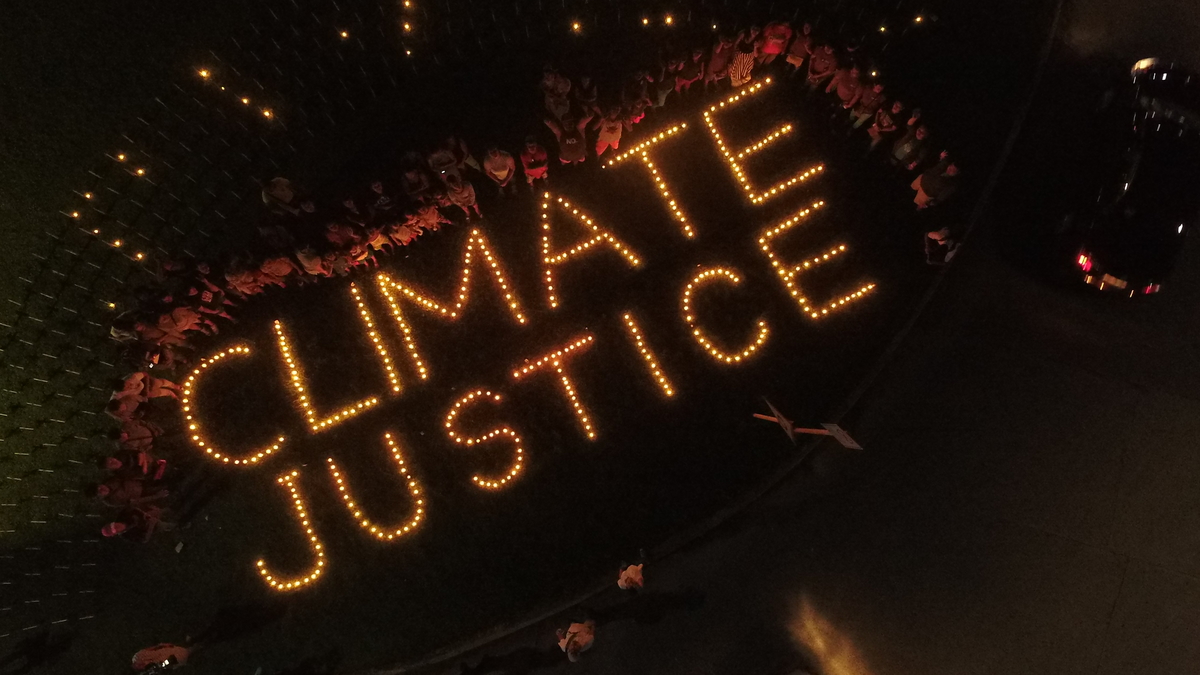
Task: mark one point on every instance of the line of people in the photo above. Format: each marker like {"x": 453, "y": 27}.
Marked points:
{"x": 297, "y": 242}
{"x": 855, "y": 100}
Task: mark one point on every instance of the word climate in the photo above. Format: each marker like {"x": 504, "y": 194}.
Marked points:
{"x": 391, "y": 310}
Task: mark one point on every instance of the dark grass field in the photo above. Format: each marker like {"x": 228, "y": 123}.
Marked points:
{"x": 658, "y": 465}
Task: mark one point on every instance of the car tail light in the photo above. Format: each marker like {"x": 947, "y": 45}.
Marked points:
{"x": 1085, "y": 262}
{"x": 1151, "y": 288}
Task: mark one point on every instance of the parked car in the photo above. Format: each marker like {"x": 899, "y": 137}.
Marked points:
{"x": 1148, "y": 198}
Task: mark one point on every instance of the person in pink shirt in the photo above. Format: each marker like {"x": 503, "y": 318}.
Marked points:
{"x": 462, "y": 195}
{"x": 719, "y": 61}
{"x": 775, "y": 38}
{"x": 610, "y": 127}
{"x": 535, "y": 161}
{"x": 577, "y": 639}
{"x": 690, "y": 72}
{"x": 499, "y": 166}
{"x": 174, "y": 655}
{"x": 631, "y": 578}
{"x": 821, "y": 66}
{"x": 800, "y": 49}
{"x": 847, "y": 84}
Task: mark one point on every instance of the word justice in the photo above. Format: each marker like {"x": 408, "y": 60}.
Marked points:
{"x": 404, "y": 361}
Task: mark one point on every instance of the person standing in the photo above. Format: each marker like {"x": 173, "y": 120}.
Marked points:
{"x": 664, "y": 79}
{"x": 752, "y": 37}
{"x": 138, "y": 435}
{"x": 556, "y": 88}
{"x": 280, "y": 197}
{"x": 414, "y": 181}
{"x": 631, "y": 578}
{"x": 462, "y": 194}
{"x": 610, "y": 126}
{"x": 936, "y": 184}
{"x": 125, "y": 491}
{"x": 576, "y": 639}
{"x": 171, "y": 655}
{"x": 462, "y": 155}
{"x": 586, "y": 95}
{"x": 847, "y": 85}
{"x": 572, "y": 148}
{"x": 499, "y": 166}
{"x": 443, "y": 162}
{"x": 940, "y": 246}
{"x": 535, "y": 161}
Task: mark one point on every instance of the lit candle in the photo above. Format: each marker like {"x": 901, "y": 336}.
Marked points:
{"x": 289, "y": 482}
{"x": 302, "y": 400}
{"x": 552, "y": 258}
{"x": 393, "y": 290}
{"x": 642, "y": 152}
{"x": 382, "y": 532}
{"x": 639, "y": 343}
{"x": 491, "y": 435}
{"x": 556, "y": 361}
{"x": 194, "y": 431}
{"x": 789, "y": 273}
{"x": 701, "y": 337}
{"x": 755, "y": 196}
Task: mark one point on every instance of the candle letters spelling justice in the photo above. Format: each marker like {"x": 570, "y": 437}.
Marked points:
{"x": 400, "y": 296}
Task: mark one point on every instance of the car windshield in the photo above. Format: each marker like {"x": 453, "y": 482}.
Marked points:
{"x": 1160, "y": 186}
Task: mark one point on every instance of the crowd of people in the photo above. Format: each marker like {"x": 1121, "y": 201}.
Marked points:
{"x": 838, "y": 80}
{"x": 297, "y": 242}
{"x": 300, "y": 239}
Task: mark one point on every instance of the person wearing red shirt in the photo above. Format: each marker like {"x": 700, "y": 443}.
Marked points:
{"x": 871, "y": 100}
{"x": 719, "y": 61}
{"x": 821, "y": 66}
{"x": 159, "y": 654}
{"x": 774, "y": 40}
{"x": 848, "y": 86}
{"x": 800, "y": 49}
{"x": 535, "y": 162}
